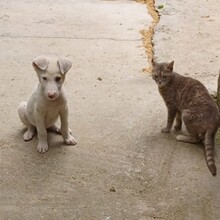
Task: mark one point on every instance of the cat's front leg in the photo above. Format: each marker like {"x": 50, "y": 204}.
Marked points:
{"x": 178, "y": 124}
{"x": 170, "y": 118}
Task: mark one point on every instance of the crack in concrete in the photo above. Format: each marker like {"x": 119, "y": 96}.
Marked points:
{"x": 147, "y": 35}
{"x": 70, "y": 38}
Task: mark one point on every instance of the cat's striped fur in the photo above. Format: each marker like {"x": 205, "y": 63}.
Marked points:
{"x": 187, "y": 99}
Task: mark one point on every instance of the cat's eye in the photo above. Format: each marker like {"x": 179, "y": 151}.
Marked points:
{"x": 44, "y": 78}
{"x": 164, "y": 77}
{"x": 57, "y": 79}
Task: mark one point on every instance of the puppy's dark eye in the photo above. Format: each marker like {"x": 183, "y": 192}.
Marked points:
{"x": 155, "y": 76}
{"x": 44, "y": 78}
{"x": 57, "y": 79}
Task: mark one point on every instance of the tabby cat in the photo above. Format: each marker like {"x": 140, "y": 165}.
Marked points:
{"x": 187, "y": 99}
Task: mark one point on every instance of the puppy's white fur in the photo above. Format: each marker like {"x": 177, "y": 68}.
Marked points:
{"x": 47, "y": 102}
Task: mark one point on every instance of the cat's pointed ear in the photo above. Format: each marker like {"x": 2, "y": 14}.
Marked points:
{"x": 170, "y": 66}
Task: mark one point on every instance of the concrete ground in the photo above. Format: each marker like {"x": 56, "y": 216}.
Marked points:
{"x": 122, "y": 166}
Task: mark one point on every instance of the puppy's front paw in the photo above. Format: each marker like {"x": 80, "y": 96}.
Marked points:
{"x": 70, "y": 140}
{"x": 42, "y": 147}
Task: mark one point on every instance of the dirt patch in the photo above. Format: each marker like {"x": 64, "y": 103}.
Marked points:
{"x": 147, "y": 35}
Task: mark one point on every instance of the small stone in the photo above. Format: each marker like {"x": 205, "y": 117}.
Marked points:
{"x": 99, "y": 78}
{"x": 160, "y": 6}
{"x": 112, "y": 189}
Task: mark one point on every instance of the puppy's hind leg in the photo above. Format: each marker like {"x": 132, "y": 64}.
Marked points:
{"x": 29, "y": 134}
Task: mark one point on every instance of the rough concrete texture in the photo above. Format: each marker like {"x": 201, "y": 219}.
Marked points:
{"x": 122, "y": 166}
{"x": 188, "y": 32}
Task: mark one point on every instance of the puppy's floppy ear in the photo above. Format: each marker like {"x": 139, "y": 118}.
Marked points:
{"x": 170, "y": 66}
{"x": 64, "y": 64}
{"x": 40, "y": 62}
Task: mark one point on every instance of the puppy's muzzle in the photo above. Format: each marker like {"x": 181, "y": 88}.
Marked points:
{"x": 52, "y": 95}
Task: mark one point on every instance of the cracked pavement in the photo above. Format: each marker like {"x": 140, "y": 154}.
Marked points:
{"x": 122, "y": 166}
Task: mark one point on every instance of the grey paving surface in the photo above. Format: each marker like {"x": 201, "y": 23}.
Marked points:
{"x": 188, "y": 32}
{"x": 122, "y": 166}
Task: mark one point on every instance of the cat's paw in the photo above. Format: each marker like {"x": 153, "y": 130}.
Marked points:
{"x": 181, "y": 138}
{"x": 165, "y": 130}
{"x": 188, "y": 139}
{"x": 70, "y": 140}
{"x": 42, "y": 147}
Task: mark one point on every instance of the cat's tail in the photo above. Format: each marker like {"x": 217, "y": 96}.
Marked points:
{"x": 209, "y": 151}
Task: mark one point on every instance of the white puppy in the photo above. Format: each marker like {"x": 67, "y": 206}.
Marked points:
{"x": 47, "y": 102}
